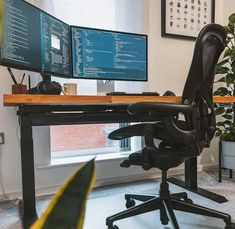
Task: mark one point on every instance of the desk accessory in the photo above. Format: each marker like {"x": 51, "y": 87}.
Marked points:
{"x": 119, "y": 93}
{"x": 29, "y": 82}
{"x": 168, "y": 93}
{"x": 17, "y": 88}
{"x": 12, "y": 76}
{"x": 70, "y": 88}
{"x": 46, "y": 86}
{"x": 22, "y": 79}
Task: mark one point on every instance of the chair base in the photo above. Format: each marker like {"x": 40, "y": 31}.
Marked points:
{"x": 166, "y": 204}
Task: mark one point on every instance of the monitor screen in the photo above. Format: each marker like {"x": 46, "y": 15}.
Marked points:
{"x": 55, "y": 45}
{"x": 109, "y": 55}
{"x": 33, "y": 40}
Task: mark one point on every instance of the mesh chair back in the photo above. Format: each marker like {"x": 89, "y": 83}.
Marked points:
{"x": 199, "y": 84}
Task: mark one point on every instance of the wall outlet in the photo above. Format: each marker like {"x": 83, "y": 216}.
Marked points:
{"x": 2, "y": 138}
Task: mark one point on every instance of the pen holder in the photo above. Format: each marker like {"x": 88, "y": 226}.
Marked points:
{"x": 19, "y": 89}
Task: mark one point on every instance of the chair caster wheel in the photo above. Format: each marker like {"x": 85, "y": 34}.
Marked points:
{"x": 230, "y": 226}
{"x": 165, "y": 221}
{"x": 113, "y": 227}
{"x": 130, "y": 203}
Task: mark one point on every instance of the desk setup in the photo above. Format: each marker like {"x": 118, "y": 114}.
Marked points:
{"x": 56, "y": 48}
{"x": 46, "y": 110}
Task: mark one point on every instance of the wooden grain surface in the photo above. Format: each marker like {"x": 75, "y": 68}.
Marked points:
{"x": 15, "y": 100}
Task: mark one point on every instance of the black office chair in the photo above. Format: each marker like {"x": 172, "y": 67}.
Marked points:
{"x": 180, "y": 139}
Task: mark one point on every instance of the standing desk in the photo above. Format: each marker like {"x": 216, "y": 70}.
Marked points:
{"x": 46, "y": 110}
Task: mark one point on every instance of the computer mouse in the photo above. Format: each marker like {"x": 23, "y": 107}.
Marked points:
{"x": 169, "y": 93}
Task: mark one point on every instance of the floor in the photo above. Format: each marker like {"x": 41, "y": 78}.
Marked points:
{"x": 106, "y": 201}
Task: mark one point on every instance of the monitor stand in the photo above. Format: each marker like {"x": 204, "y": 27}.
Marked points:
{"x": 46, "y": 77}
{"x": 105, "y": 86}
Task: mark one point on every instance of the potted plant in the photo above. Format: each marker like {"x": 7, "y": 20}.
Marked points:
{"x": 225, "y": 126}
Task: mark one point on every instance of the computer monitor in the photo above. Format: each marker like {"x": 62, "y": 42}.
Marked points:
{"x": 108, "y": 55}
{"x": 34, "y": 40}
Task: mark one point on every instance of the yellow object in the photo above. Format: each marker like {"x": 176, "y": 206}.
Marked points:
{"x": 67, "y": 207}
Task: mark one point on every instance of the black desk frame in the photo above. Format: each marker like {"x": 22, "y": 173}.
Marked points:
{"x": 46, "y": 115}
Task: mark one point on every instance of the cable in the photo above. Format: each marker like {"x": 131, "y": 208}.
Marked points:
{"x": 18, "y": 135}
{"x": 4, "y": 197}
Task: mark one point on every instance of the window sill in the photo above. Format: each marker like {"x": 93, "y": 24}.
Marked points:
{"x": 69, "y": 161}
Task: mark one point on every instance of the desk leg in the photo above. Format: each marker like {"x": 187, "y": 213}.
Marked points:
{"x": 191, "y": 182}
{"x": 27, "y": 164}
{"x": 220, "y": 161}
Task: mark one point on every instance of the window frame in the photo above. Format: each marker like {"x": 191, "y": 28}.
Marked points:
{"x": 124, "y": 146}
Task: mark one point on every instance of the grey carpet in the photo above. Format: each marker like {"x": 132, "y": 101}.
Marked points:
{"x": 106, "y": 201}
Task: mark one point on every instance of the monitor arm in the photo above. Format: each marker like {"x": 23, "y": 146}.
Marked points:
{"x": 46, "y": 77}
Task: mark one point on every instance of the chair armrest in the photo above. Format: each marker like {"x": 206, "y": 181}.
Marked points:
{"x": 127, "y": 132}
{"x": 167, "y": 112}
{"x": 159, "y": 108}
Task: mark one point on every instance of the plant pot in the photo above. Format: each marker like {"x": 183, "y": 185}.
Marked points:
{"x": 228, "y": 155}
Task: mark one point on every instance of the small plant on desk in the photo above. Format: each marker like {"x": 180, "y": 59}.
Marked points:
{"x": 225, "y": 126}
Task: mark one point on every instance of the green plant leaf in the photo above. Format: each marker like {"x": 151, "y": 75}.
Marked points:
{"x": 225, "y": 129}
{"x": 231, "y": 21}
{"x": 221, "y": 80}
{"x": 230, "y": 78}
{"x": 228, "y": 111}
{"x": 223, "y": 62}
{"x": 221, "y": 70}
{"x": 222, "y": 91}
{"x": 219, "y": 111}
{"x": 227, "y": 52}
{"x": 217, "y": 134}
{"x": 232, "y": 56}
{"x": 227, "y": 122}
{"x": 233, "y": 66}
{"x": 229, "y": 29}
{"x": 228, "y": 117}
{"x": 220, "y": 123}
{"x": 216, "y": 93}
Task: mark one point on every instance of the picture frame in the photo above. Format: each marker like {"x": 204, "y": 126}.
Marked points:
{"x": 184, "y": 19}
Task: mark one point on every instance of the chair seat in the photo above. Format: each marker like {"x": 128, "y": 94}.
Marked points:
{"x": 162, "y": 158}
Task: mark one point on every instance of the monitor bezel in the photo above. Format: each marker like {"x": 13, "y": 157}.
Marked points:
{"x": 111, "y": 31}
{"x": 3, "y": 61}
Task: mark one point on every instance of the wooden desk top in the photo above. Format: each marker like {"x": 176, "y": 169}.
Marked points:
{"x": 15, "y": 100}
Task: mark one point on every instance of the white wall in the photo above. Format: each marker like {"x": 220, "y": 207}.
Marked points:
{"x": 10, "y": 168}
{"x": 169, "y": 60}
{"x": 229, "y": 8}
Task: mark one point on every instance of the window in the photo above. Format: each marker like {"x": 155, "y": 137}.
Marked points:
{"x": 84, "y": 140}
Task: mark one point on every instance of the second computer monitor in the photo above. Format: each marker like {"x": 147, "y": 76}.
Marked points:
{"x": 108, "y": 55}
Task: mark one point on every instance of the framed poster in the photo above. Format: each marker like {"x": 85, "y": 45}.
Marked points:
{"x": 185, "y": 18}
